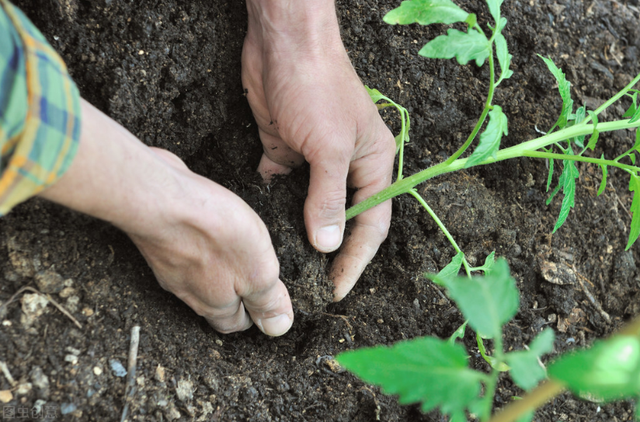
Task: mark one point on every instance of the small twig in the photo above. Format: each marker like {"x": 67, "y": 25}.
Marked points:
{"x": 548, "y": 389}
{"x": 590, "y": 296}
{"x": 5, "y": 371}
{"x": 131, "y": 370}
{"x": 49, "y": 298}
{"x": 343, "y": 317}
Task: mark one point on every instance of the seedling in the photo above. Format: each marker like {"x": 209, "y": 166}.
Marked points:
{"x": 435, "y": 372}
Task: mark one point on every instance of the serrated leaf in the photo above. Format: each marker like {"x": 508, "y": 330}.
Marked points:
{"x": 550, "y": 175}
{"x": 495, "y": 363}
{"x": 608, "y": 370}
{"x": 525, "y": 369}
{"x": 490, "y": 138}
{"x": 593, "y": 140}
{"x": 375, "y": 94}
{"x": 579, "y": 117}
{"x": 459, "y": 333}
{"x": 488, "y": 302}
{"x": 603, "y": 182}
{"x": 494, "y": 9}
{"x": 633, "y": 108}
{"x": 464, "y": 46}
{"x": 452, "y": 268}
{"x": 564, "y": 87}
{"x": 635, "y": 117}
{"x": 427, "y": 370}
{"x": 489, "y": 261}
{"x": 634, "y": 230}
{"x": 504, "y": 58}
{"x": 426, "y": 12}
{"x": 594, "y": 117}
{"x": 568, "y": 182}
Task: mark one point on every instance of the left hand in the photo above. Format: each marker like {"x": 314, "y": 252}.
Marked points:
{"x": 310, "y": 105}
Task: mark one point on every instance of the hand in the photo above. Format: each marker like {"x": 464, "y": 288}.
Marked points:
{"x": 202, "y": 242}
{"x": 310, "y": 105}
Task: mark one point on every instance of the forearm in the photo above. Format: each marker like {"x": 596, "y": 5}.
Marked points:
{"x": 114, "y": 176}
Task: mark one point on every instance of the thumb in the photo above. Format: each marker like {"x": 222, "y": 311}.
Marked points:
{"x": 325, "y": 205}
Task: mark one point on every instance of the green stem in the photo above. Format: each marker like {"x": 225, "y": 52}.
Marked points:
{"x": 442, "y": 227}
{"x": 483, "y": 116}
{"x": 524, "y": 149}
{"x": 539, "y": 154}
{"x": 614, "y": 98}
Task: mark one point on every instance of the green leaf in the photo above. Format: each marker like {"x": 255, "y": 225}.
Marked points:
{"x": 636, "y": 146}
{"x": 404, "y": 114}
{"x": 426, "y": 12}
{"x": 593, "y": 139}
{"x": 427, "y": 370}
{"x": 490, "y": 138}
{"x": 464, "y": 46}
{"x": 632, "y": 157}
{"x": 488, "y": 263}
{"x": 459, "y": 333}
{"x": 375, "y": 94}
{"x": 635, "y": 117}
{"x": 609, "y": 370}
{"x": 579, "y": 117}
{"x": 550, "y": 175}
{"x": 568, "y": 182}
{"x": 564, "y": 86}
{"x": 495, "y": 363}
{"x": 488, "y": 302}
{"x": 603, "y": 182}
{"x": 452, "y": 268}
{"x": 633, "y": 108}
{"x": 504, "y": 58}
{"x": 525, "y": 368}
{"x": 494, "y": 9}
{"x": 634, "y": 231}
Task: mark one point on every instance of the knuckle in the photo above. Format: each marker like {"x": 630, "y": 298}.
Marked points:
{"x": 330, "y": 204}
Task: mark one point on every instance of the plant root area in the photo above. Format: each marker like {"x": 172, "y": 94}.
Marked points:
{"x": 169, "y": 71}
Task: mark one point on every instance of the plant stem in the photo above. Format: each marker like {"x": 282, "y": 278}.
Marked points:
{"x": 527, "y": 148}
{"x": 550, "y": 155}
{"x": 533, "y": 400}
{"x": 442, "y": 227}
{"x": 614, "y": 98}
{"x": 483, "y": 116}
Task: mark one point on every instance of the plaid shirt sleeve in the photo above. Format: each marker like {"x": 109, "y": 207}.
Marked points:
{"x": 39, "y": 111}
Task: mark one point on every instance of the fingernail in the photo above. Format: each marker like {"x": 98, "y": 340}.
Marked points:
{"x": 328, "y": 238}
{"x": 276, "y": 326}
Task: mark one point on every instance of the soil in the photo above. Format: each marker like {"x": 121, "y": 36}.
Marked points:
{"x": 169, "y": 72}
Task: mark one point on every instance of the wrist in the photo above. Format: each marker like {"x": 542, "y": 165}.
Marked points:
{"x": 115, "y": 177}
{"x": 285, "y": 25}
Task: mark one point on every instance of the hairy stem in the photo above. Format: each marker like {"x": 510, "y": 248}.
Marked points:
{"x": 442, "y": 227}
{"x": 521, "y": 150}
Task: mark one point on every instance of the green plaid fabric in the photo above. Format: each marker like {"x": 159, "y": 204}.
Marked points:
{"x": 39, "y": 111}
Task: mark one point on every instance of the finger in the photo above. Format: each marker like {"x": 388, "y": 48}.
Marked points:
{"x": 372, "y": 173}
{"x": 325, "y": 204}
{"x": 278, "y": 157}
{"x": 270, "y": 309}
{"x": 234, "y": 322}
{"x": 268, "y": 168}
{"x": 369, "y": 231}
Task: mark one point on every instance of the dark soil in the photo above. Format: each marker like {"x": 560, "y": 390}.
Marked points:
{"x": 169, "y": 71}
